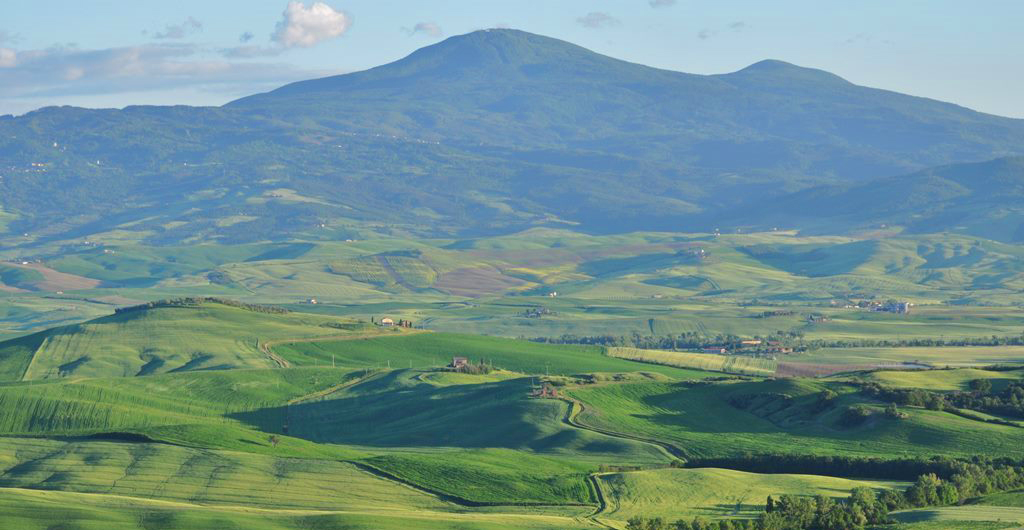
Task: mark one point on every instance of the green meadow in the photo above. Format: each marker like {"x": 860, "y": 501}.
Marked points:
{"x": 712, "y": 493}
{"x": 259, "y": 408}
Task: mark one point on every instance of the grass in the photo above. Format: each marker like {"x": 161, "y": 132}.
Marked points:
{"x": 1010, "y": 498}
{"x": 201, "y": 476}
{"x": 19, "y": 277}
{"x": 44, "y": 510}
{"x": 437, "y": 349}
{"x": 496, "y": 475}
{"x": 967, "y": 516}
{"x": 191, "y": 409}
{"x": 166, "y": 339}
{"x": 951, "y": 356}
{"x": 711, "y": 493}
{"x": 731, "y": 364}
{"x": 393, "y": 420}
{"x": 942, "y": 379}
{"x": 697, "y": 419}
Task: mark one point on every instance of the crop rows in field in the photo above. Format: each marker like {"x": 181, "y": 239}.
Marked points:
{"x": 730, "y": 364}
{"x": 166, "y": 472}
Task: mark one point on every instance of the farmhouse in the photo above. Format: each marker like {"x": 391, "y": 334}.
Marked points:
{"x": 459, "y": 362}
{"x": 387, "y": 322}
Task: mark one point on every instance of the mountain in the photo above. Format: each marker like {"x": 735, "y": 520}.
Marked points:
{"x": 983, "y": 199}
{"x": 491, "y": 132}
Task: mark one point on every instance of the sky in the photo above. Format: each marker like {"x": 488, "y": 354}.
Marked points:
{"x": 207, "y": 52}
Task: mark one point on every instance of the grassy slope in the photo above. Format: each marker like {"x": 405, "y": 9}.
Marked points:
{"x": 968, "y": 516}
{"x": 401, "y": 424}
{"x": 942, "y": 379}
{"x": 718, "y": 363}
{"x": 167, "y": 339}
{"x": 696, "y": 419}
{"x": 437, "y": 349}
{"x": 711, "y": 493}
{"x": 44, "y": 510}
{"x": 167, "y": 472}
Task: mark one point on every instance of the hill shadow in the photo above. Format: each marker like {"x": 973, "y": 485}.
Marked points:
{"x": 379, "y": 414}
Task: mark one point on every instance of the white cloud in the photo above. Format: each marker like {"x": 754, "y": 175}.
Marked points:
{"x": 304, "y": 27}
{"x": 597, "y": 19}
{"x": 427, "y": 28}
{"x": 662, "y": 3}
{"x": 180, "y": 31}
{"x": 250, "y": 51}
{"x": 735, "y": 27}
{"x": 64, "y": 74}
{"x": 8, "y": 58}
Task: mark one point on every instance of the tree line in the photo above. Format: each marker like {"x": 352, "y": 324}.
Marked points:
{"x": 981, "y": 397}
{"x": 864, "y": 506}
{"x": 693, "y": 340}
{"x": 193, "y": 301}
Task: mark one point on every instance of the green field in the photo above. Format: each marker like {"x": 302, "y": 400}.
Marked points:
{"x": 731, "y": 364}
{"x": 696, "y": 418}
{"x": 207, "y": 413}
{"x": 963, "y": 517}
{"x": 948, "y": 356}
{"x": 941, "y": 380}
{"x": 435, "y": 350}
{"x": 711, "y": 493}
{"x": 44, "y": 510}
{"x": 164, "y": 339}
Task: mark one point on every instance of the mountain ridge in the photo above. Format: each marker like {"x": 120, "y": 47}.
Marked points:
{"x": 490, "y": 132}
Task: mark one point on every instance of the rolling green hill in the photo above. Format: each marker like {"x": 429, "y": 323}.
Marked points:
{"x": 711, "y": 493}
{"x": 782, "y": 417}
{"x": 196, "y": 334}
{"x": 354, "y": 426}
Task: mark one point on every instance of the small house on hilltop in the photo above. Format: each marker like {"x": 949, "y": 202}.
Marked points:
{"x": 459, "y": 362}
{"x": 387, "y": 322}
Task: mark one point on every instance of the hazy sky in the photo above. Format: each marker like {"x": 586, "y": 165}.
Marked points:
{"x": 117, "y": 53}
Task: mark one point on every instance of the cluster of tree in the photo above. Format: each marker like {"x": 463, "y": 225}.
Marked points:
{"x": 864, "y": 506}
{"x": 193, "y": 301}
{"x": 981, "y": 397}
{"x": 697, "y": 523}
{"x": 923, "y": 342}
{"x": 690, "y": 340}
{"x": 867, "y": 507}
{"x": 475, "y": 368}
{"x": 777, "y": 313}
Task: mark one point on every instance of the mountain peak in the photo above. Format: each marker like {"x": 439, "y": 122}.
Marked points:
{"x": 489, "y": 55}
{"x": 776, "y": 69}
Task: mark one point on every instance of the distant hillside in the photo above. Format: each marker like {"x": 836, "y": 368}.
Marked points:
{"x": 982, "y": 199}
{"x": 178, "y": 336}
{"x": 491, "y": 132}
